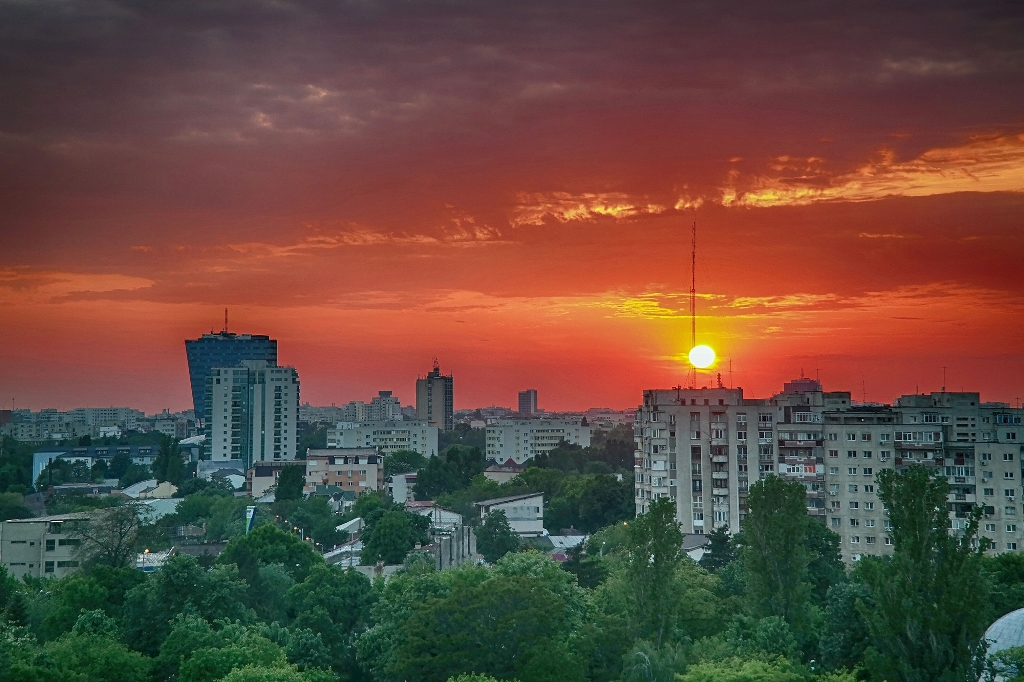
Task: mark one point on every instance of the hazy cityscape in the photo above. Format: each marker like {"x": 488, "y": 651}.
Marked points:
{"x": 533, "y": 341}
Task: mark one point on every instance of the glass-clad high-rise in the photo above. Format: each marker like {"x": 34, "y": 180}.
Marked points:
{"x": 223, "y": 349}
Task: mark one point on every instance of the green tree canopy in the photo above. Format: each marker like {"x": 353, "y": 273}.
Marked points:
{"x": 268, "y": 544}
{"x": 719, "y": 550}
{"x": 390, "y": 538}
{"x": 775, "y": 557}
{"x": 290, "y": 482}
{"x": 495, "y": 537}
{"x": 403, "y": 461}
{"x": 927, "y": 613}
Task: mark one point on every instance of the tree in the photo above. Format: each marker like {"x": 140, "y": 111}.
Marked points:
{"x": 403, "y": 461}
{"x": 95, "y": 656}
{"x": 290, "y": 483}
{"x": 742, "y": 670}
{"x": 12, "y": 506}
{"x": 335, "y": 604}
{"x": 653, "y": 553}
{"x": 110, "y": 536}
{"x": 1005, "y": 572}
{"x": 266, "y": 545}
{"x": 391, "y": 537}
{"x": 452, "y": 469}
{"x": 825, "y": 562}
{"x": 927, "y": 613}
{"x": 774, "y": 554}
{"x": 495, "y": 537}
{"x": 719, "y": 551}
{"x": 180, "y": 586}
{"x": 844, "y": 632}
{"x": 507, "y": 627}
{"x": 168, "y": 465}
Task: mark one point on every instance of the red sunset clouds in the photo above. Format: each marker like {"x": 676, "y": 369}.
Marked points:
{"x": 509, "y": 187}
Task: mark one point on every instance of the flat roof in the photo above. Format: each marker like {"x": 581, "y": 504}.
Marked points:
{"x": 512, "y": 498}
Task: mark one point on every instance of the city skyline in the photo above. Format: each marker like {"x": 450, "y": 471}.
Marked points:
{"x": 511, "y": 189}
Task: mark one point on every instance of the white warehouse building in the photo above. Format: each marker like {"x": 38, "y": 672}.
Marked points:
{"x": 522, "y": 439}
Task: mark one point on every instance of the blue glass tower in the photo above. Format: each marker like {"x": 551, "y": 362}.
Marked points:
{"x": 223, "y": 349}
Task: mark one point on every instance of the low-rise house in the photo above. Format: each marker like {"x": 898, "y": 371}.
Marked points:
{"x": 441, "y": 520}
{"x": 150, "y": 490}
{"x": 503, "y": 473}
{"x": 43, "y": 547}
{"x": 525, "y": 513}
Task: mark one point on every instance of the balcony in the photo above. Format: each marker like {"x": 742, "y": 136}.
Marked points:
{"x": 720, "y": 475}
{"x": 722, "y": 492}
{"x": 720, "y": 459}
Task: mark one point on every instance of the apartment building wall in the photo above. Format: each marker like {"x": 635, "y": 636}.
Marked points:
{"x": 251, "y": 413}
{"x": 355, "y": 469}
{"x": 44, "y": 547}
{"x": 524, "y": 439}
{"x": 386, "y": 436}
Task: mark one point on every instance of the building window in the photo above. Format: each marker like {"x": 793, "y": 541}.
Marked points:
{"x": 852, "y": 471}
{"x": 852, "y": 488}
{"x": 854, "y": 505}
{"x": 866, "y": 454}
{"x": 869, "y": 505}
{"x": 51, "y": 545}
{"x": 834, "y": 471}
{"x": 869, "y": 488}
{"x": 833, "y": 453}
{"x": 854, "y": 522}
{"x": 867, "y": 471}
{"x": 1011, "y": 528}
{"x": 988, "y": 492}
{"x": 836, "y": 522}
{"x": 851, "y": 454}
{"x": 854, "y": 539}
{"x": 48, "y": 567}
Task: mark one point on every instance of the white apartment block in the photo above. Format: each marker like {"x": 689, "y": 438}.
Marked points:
{"x": 522, "y": 439}
{"x": 835, "y": 449}
{"x": 251, "y": 413}
{"x": 386, "y": 436}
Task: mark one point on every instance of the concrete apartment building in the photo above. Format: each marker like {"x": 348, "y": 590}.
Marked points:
{"x": 835, "y": 449}
{"x": 251, "y": 412}
{"x": 355, "y": 469}
{"x": 435, "y": 403}
{"x": 522, "y": 439}
{"x": 528, "y": 402}
{"x": 44, "y": 547}
{"x": 386, "y": 436}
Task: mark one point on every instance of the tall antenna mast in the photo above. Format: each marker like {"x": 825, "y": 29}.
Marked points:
{"x": 225, "y": 320}
{"x": 693, "y": 296}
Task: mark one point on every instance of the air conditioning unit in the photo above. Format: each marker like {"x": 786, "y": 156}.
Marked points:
{"x": 832, "y": 493}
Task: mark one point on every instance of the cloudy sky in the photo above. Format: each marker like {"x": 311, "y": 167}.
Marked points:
{"x": 510, "y": 187}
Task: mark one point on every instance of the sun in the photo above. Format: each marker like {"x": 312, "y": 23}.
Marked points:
{"x": 702, "y": 356}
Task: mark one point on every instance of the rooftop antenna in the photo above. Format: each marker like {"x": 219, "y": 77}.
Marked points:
{"x": 863, "y": 391}
{"x": 225, "y": 320}
{"x": 943, "y": 378}
{"x": 693, "y": 296}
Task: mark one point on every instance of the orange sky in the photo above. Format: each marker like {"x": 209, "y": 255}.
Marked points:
{"x": 509, "y": 187}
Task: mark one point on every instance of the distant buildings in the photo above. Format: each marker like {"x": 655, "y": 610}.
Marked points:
{"x": 386, "y": 436}
{"x": 522, "y": 439}
{"x": 528, "y": 402}
{"x": 223, "y": 349}
{"x": 525, "y": 513}
{"x": 435, "y": 399}
{"x": 50, "y": 424}
{"x": 251, "y": 413}
{"x": 705, "y": 447}
{"x": 90, "y": 455}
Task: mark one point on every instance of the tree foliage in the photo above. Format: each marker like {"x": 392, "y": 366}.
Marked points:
{"x": 290, "y": 482}
{"x": 495, "y": 537}
{"x": 927, "y": 612}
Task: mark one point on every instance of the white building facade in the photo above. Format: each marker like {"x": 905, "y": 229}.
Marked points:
{"x": 386, "y": 436}
{"x": 522, "y": 439}
{"x": 251, "y": 413}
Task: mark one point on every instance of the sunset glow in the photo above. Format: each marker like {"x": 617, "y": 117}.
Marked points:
{"x": 512, "y": 193}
